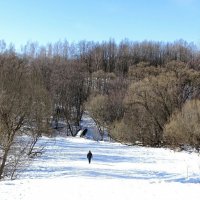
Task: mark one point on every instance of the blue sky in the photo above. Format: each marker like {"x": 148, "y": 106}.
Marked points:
{"x": 97, "y": 20}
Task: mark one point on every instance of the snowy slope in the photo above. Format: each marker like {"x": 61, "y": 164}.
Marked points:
{"x": 117, "y": 172}
{"x": 92, "y": 131}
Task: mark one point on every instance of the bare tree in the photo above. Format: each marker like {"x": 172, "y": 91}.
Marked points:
{"x": 183, "y": 127}
{"x": 19, "y": 98}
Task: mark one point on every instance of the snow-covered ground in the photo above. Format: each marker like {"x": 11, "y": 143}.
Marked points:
{"x": 117, "y": 172}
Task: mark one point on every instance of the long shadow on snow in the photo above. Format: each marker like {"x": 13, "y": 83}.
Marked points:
{"x": 107, "y": 173}
{"x": 134, "y": 175}
{"x": 42, "y": 172}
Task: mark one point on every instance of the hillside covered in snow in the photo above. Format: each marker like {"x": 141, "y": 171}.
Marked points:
{"x": 116, "y": 172}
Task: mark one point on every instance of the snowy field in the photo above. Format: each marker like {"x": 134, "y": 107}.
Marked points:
{"x": 116, "y": 172}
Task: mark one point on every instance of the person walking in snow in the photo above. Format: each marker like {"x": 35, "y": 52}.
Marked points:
{"x": 89, "y": 156}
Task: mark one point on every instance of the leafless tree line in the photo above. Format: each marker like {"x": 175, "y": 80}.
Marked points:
{"x": 110, "y": 56}
{"x": 131, "y": 89}
{"x": 150, "y": 106}
{"x": 24, "y": 103}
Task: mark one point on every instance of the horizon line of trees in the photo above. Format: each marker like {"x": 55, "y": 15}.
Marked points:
{"x": 110, "y": 56}
{"x": 139, "y": 92}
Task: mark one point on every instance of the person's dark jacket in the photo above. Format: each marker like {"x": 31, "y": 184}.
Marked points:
{"x": 89, "y": 156}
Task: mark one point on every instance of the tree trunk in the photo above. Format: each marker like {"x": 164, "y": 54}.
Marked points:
{"x": 3, "y": 163}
